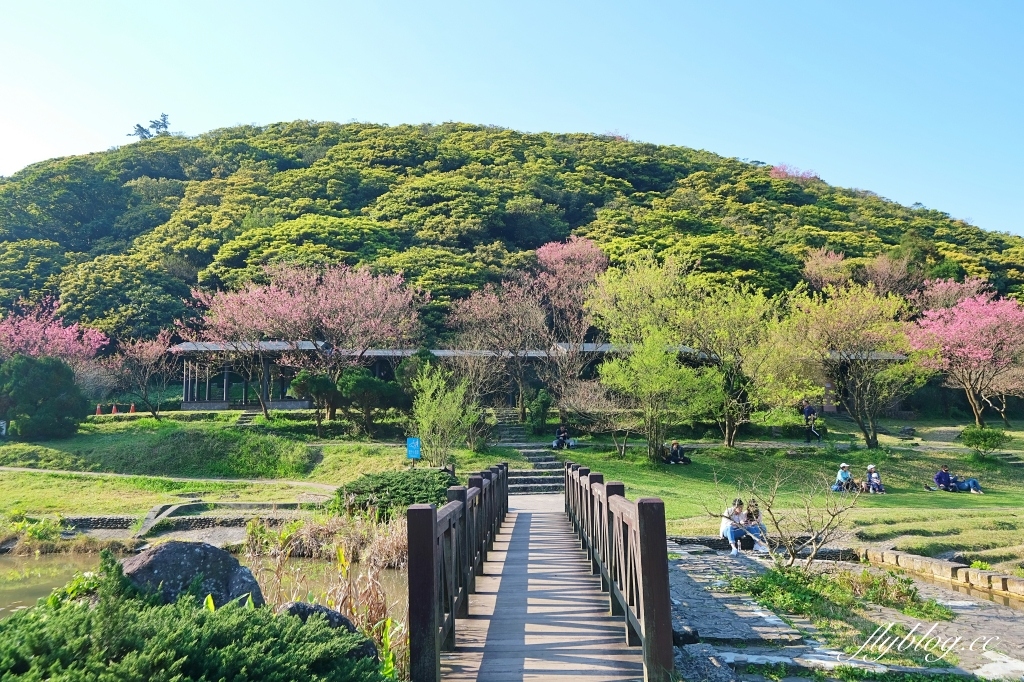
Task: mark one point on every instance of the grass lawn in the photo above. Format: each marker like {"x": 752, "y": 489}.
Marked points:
{"x": 908, "y": 517}
{"x": 200, "y": 449}
{"x": 69, "y": 494}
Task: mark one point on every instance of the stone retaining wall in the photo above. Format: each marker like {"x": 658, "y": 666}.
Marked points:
{"x": 173, "y": 523}
{"x": 106, "y": 522}
{"x": 949, "y": 571}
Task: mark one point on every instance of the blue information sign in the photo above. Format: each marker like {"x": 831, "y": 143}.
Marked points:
{"x": 412, "y": 448}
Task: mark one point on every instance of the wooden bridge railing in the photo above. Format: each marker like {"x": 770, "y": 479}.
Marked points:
{"x": 447, "y": 550}
{"x": 625, "y": 542}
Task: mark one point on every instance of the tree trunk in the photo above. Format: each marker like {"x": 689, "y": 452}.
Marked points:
{"x": 977, "y": 407}
{"x": 730, "y": 429}
{"x": 368, "y": 419}
{"x": 332, "y": 411}
{"x": 521, "y": 400}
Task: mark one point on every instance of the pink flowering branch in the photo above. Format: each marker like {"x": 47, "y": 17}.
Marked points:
{"x": 976, "y": 342}
{"x": 37, "y": 330}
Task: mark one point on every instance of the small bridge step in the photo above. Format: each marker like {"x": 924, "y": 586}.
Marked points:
{"x": 534, "y": 489}
{"x": 520, "y": 479}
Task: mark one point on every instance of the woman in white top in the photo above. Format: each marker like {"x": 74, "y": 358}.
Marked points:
{"x": 734, "y": 526}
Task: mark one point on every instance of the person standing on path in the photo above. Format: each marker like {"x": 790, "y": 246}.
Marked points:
{"x": 810, "y": 415}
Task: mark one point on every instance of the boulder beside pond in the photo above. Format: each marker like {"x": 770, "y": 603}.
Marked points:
{"x": 172, "y": 567}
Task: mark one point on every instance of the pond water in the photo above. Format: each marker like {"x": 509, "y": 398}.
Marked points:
{"x": 26, "y": 579}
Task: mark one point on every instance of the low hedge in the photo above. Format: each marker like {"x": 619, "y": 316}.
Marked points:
{"x": 99, "y": 628}
{"x": 390, "y": 491}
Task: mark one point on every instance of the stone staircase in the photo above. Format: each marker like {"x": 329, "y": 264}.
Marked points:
{"x": 546, "y": 474}
{"x": 1009, "y": 458}
{"x": 245, "y": 419}
{"x": 544, "y": 477}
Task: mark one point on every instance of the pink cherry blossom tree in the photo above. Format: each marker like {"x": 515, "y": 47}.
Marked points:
{"x": 37, "y": 330}
{"x": 935, "y": 294}
{"x": 890, "y": 275}
{"x": 241, "y": 321}
{"x": 341, "y": 312}
{"x": 504, "y": 321}
{"x": 566, "y": 277}
{"x": 144, "y": 368}
{"x": 977, "y": 343}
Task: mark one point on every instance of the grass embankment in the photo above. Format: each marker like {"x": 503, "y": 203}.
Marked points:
{"x": 908, "y": 517}
{"x": 70, "y": 494}
{"x": 166, "y": 448}
{"x": 209, "y": 448}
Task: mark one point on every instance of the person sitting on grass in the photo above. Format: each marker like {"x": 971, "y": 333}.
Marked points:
{"x": 873, "y": 481}
{"x": 734, "y": 527}
{"x": 676, "y": 455}
{"x": 844, "y": 479}
{"x": 943, "y": 481}
{"x": 964, "y": 485}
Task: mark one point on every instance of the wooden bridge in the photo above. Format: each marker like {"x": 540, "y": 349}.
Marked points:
{"x": 556, "y": 587}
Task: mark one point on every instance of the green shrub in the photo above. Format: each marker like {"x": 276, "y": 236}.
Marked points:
{"x": 983, "y": 440}
{"x": 981, "y": 565}
{"x": 39, "y": 396}
{"x": 391, "y": 491}
{"x": 127, "y": 637}
{"x": 537, "y": 418}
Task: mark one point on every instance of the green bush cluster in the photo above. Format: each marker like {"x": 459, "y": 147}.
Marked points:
{"x": 391, "y": 491}
{"x": 40, "y": 398}
{"x": 984, "y": 440}
{"x": 99, "y": 628}
{"x": 537, "y": 418}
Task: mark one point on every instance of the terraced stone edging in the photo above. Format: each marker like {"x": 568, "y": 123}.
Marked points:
{"x": 992, "y": 582}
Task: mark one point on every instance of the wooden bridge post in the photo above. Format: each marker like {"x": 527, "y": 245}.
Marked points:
{"x": 424, "y": 656}
{"x": 478, "y": 552}
{"x": 596, "y": 554}
{"x": 656, "y": 611}
{"x": 582, "y": 498}
{"x": 613, "y": 488}
{"x": 458, "y": 493}
{"x": 489, "y": 500}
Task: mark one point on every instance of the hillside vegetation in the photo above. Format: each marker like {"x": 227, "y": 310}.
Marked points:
{"x": 121, "y": 237}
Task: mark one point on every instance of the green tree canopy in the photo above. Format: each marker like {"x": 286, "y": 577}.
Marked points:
{"x": 454, "y": 206}
{"x": 39, "y": 396}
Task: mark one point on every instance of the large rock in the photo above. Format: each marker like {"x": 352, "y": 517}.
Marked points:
{"x": 303, "y": 611}
{"x": 171, "y": 567}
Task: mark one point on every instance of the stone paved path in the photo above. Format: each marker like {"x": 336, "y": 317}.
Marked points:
{"x": 720, "y": 616}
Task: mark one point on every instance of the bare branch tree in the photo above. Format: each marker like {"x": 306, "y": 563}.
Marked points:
{"x": 144, "y": 369}
{"x": 814, "y": 519}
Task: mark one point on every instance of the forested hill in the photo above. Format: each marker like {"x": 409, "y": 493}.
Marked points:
{"x": 120, "y": 237}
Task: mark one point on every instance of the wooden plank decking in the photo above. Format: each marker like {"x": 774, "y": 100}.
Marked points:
{"x": 538, "y": 614}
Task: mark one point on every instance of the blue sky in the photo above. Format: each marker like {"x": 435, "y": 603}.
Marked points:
{"x": 917, "y": 101}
